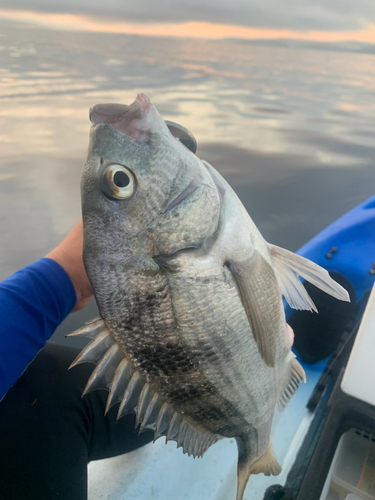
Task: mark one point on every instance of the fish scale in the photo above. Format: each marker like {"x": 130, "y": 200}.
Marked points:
{"x": 150, "y": 352}
{"x": 245, "y": 362}
{"x": 192, "y": 335}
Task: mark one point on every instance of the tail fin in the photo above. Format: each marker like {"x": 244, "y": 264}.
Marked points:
{"x": 267, "y": 464}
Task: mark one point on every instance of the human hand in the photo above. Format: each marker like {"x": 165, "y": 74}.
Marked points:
{"x": 69, "y": 255}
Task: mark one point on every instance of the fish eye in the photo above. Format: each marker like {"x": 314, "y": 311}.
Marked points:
{"x": 118, "y": 182}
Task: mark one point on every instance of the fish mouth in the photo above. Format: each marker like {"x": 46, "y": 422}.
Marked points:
{"x": 120, "y": 114}
{"x": 133, "y": 121}
{"x": 138, "y": 120}
{"x": 124, "y": 118}
{"x": 106, "y": 113}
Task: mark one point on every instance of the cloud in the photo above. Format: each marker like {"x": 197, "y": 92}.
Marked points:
{"x": 302, "y": 15}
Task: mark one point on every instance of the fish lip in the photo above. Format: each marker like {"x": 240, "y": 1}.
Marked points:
{"x": 110, "y": 110}
{"x": 129, "y": 120}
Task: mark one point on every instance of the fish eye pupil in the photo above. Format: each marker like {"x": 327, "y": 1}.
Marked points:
{"x": 121, "y": 179}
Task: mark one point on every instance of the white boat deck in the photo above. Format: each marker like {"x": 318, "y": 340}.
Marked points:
{"x": 354, "y": 459}
{"x": 359, "y": 376}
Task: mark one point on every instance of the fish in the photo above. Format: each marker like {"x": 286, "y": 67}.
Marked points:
{"x": 192, "y": 335}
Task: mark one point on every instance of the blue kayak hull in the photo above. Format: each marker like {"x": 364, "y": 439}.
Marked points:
{"x": 347, "y": 247}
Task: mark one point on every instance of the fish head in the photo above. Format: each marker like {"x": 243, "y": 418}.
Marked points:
{"x": 143, "y": 192}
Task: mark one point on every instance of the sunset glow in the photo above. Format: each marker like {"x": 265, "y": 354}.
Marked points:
{"x": 191, "y": 29}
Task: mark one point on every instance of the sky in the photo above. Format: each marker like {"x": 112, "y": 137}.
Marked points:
{"x": 318, "y": 20}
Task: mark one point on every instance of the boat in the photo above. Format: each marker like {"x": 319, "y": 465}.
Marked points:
{"x": 335, "y": 459}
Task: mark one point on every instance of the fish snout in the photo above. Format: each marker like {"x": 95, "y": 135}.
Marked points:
{"x": 130, "y": 120}
{"x": 107, "y": 113}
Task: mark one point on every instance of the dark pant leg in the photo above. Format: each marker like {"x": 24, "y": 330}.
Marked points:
{"x": 48, "y": 433}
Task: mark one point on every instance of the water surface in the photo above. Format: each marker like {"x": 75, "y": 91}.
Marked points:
{"x": 291, "y": 129}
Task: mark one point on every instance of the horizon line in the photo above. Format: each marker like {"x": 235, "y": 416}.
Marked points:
{"x": 186, "y": 29}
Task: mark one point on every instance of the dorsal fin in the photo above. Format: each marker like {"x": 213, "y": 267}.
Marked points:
{"x": 122, "y": 375}
{"x": 164, "y": 419}
{"x": 102, "y": 376}
{"x": 130, "y": 400}
{"x": 144, "y": 400}
{"x": 116, "y": 373}
{"x": 94, "y": 351}
{"x": 89, "y": 329}
{"x": 295, "y": 376}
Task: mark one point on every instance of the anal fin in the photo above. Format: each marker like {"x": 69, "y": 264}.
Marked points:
{"x": 295, "y": 376}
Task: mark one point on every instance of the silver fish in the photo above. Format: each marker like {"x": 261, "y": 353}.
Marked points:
{"x": 192, "y": 334}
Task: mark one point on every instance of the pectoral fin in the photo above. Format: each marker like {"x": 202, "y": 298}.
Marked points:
{"x": 260, "y": 295}
{"x": 289, "y": 266}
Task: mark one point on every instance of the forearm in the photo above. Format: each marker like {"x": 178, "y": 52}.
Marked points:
{"x": 33, "y": 302}
{"x": 69, "y": 255}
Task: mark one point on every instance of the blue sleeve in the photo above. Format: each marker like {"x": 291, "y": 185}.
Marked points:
{"x": 33, "y": 302}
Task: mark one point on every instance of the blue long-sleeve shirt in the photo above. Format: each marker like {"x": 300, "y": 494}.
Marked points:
{"x": 33, "y": 302}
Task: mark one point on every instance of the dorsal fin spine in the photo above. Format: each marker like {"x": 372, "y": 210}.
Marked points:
{"x": 134, "y": 387}
{"x": 119, "y": 383}
{"x": 118, "y": 375}
{"x": 95, "y": 349}
{"x": 144, "y": 400}
{"x": 101, "y": 376}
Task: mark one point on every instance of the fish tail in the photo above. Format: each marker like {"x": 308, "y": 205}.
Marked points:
{"x": 248, "y": 465}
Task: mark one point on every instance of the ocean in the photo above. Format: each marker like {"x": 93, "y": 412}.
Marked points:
{"x": 291, "y": 127}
